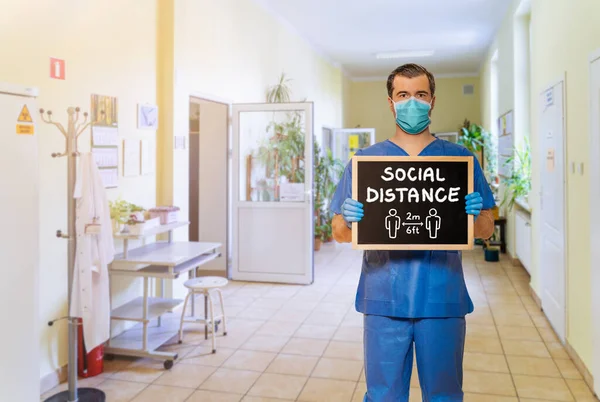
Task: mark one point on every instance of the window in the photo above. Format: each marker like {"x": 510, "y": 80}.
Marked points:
{"x": 522, "y": 71}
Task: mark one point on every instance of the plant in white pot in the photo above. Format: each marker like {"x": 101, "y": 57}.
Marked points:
{"x": 120, "y": 210}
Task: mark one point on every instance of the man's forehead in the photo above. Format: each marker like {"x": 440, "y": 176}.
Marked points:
{"x": 419, "y": 83}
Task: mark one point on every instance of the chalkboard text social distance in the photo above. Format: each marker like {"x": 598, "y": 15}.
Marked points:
{"x": 438, "y": 194}
{"x": 412, "y": 203}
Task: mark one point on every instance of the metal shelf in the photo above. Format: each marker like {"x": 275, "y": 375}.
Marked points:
{"x": 131, "y": 343}
{"x": 134, "y": 310}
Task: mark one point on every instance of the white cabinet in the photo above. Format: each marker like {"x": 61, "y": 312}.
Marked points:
{"x": 523, "y": 238}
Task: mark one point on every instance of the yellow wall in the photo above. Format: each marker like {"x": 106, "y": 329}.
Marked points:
{"x": 564, "y": 26}
{"x": 573, "y": 33}
{"x": 160, "y": 53}
{"x": 369, "y": 107}
{"x": 347, "y": 101}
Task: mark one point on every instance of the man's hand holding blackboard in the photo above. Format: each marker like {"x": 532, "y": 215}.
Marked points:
{"x": 352, "y": 211}
{"x": 474, "y": 204}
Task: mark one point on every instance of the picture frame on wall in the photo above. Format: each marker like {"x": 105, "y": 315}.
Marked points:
{"x": 147, "y": 116}
{"x": 505, "y": 143}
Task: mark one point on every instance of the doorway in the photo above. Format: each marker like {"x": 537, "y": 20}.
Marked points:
{"x": 553, "y": 205}
{"x": 594, "y": 218}
{"x": 209, "y": 177}
{"x": 272, "y": 187}
{"x": 346, "y": 141}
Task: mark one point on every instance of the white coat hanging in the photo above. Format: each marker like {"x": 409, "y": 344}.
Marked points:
{"x": 90, "y": 298}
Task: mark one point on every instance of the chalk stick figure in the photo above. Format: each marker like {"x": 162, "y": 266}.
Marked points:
{"x": 392, "y": 223}
{"x": 433, "y": 223}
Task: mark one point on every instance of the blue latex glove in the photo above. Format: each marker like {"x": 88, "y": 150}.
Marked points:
{"x": 474, "y": 204}
{"x": 352, "y": 211}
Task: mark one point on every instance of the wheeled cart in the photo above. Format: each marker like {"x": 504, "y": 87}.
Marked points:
{"x": 160, "y": 261}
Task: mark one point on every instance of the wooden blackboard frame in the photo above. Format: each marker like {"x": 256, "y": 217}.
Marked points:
{"x": 355, "y": 166}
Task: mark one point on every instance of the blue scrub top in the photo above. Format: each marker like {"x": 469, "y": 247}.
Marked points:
{"x": 413, "y": 284}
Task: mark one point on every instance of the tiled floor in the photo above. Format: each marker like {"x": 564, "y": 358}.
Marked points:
{"x": 304, "y": 343}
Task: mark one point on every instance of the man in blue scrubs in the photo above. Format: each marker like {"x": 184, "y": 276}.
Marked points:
{"x": 413, "y": 298}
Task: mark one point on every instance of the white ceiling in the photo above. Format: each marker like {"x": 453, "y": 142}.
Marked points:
{"x": 351, "y": 32}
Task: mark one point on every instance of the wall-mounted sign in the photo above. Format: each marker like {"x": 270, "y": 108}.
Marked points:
{"x": 57, "y": 69}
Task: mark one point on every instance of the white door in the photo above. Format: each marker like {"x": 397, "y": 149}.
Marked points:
{"x": 19, "y": 244}
{"x": 272, "y": 217}
{"x": 594, "y": 216}
{"x": 553, "y": 206}
{"x": 346, "y": 141}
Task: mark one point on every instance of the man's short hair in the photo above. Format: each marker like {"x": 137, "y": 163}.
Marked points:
{"x": 410, "y": 71}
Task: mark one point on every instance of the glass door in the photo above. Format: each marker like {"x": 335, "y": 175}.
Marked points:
{"x": 272, "y": 216}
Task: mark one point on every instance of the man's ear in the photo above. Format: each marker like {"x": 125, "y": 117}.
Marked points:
{"x": 432, "y": 105}
{"x": 391, "y": 103}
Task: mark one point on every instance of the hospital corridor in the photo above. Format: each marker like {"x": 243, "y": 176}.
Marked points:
{"x": 300, "y": 200}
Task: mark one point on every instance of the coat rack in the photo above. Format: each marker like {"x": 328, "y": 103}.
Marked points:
{"x": 73, "y": 131}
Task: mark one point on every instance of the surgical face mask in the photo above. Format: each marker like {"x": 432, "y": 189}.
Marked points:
{"x": 412, "y": 115}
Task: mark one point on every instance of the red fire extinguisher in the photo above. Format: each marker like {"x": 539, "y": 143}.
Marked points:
{"x": 89, "y": 364}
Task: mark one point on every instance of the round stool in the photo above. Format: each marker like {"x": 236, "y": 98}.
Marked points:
{"x": 205, "y": 286}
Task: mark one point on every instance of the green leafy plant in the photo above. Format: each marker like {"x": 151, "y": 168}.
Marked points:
{"x": 490, "y": 154}
{"x": 136, "y": 208}
{"x": 472, "y": 136}
{"x": 475, "y": 138}
{"x": 328, "y": 171}
{"x": 327, "y": 231}
{"x": 280, "y": 92}
{"x": 119, "y": 210}
{"x": 518, "y": 183}
{"x": 282, "y": 152}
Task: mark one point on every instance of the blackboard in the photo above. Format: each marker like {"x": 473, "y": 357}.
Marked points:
{"x": 412, "y": 203}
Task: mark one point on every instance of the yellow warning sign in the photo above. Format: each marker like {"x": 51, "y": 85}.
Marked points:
{"x": 25, "y": 117}
{"x": 25, "y": 129}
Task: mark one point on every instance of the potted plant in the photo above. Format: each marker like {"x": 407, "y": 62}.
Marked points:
{"x": 120, "y": 210}
{"x": 280, "y": 92}
{"x": 472, "y": 137}
{"x": 518, "y": 183}
{"x": 318, "y": 203}
{"x": 282, "y": 153}
{"x": 330, "y": 171}
{"x": 318, "y": 235}
{"x": 327, "y": 232}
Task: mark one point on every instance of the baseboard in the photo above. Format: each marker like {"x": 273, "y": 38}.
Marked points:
{"x": 583, "y": 370}
{"x": 535, "y": 297}
{"x": 54, "y": 379}
{"x": 587, "y": 376}
{"x": 514, "y": 260}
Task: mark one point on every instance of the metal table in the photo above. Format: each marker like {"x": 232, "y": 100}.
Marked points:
{"x": 161, "y": 261}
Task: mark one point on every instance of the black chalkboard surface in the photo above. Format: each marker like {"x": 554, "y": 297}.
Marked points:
{"x": 412, "y": 203}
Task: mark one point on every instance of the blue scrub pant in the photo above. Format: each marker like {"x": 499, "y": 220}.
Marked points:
{"x": 439, "y": 345}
